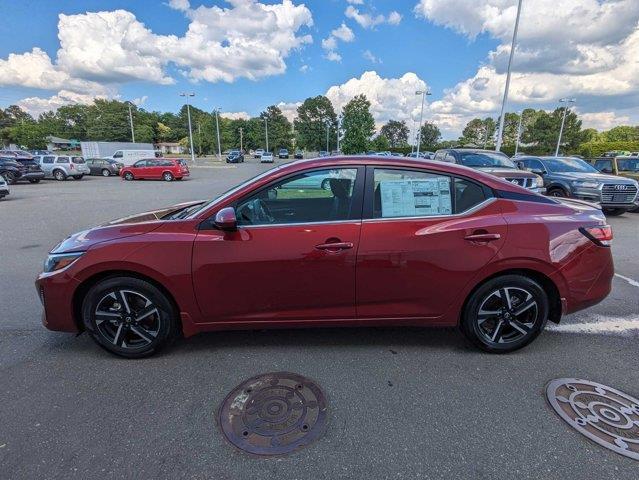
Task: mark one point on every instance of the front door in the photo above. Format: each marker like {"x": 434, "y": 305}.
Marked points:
{"x": 292, "y": 257}
{"x": 425, "y": 237}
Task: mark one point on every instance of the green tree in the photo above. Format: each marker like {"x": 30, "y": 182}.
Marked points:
{"x": 622, "y": 133}
{"x": 396, "y": 133}
{"x": 479, "y": 132}
{"x": 109, "y": 121}
{"x": 279, "y": 128}
{"x": 430, "y": 136}
{"x": 544, "y": 132}
{"x": 380, "y": 143}
{"x": 310, "y": 125}
{"x": 28, "y": 135}
{"x": 358, "y": 125}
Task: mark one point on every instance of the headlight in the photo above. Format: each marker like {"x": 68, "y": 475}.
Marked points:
{"x": 539, "y": 182}
{"x": 585, "y": 184}
{"x": 58, "y": 261}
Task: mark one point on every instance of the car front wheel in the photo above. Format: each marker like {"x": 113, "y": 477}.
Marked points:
{"x": 128, "y": 176}
{"x": 505, "y": 313}
{"x": 106, "y": 173}
{"x": 129, "y": 317}
{"x": 167, "y": 177}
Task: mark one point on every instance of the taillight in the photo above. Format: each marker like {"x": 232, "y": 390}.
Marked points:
{"x": 72, "y": 167}
{"x": 600, "y": 235}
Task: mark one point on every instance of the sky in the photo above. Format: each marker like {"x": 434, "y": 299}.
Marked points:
{"x": 242, "y": 55}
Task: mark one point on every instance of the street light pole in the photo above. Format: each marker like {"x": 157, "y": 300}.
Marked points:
{"x": 563, "y": 119}
{"x": 510, "y": 63}
{"x": 521, "y": 116}
{"x": 266, "y": 128}
{"x": 339, "y": 121}
{"x": 217, "y": 127}
{"x": 423, "y": 93}
{"x": 328, "y": 123}
{"x": 131, "y": 122}
{"x": 241, "y": 139}
{"x": 188, "y": 113}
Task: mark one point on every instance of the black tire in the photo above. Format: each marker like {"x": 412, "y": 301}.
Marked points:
{"x": 10, "y": 178}
{"x": 614, "y": 212}
{"x": 78, "y": 177}
{"x": 179, "y": 179}
{"x": 557, "y": 192}
{"x": 501, "y": 329}
{"x": 59, "y": 175}
{"x": 118, "y": 330}
{"x": 34, "y": 180}
{"x": 128, "y": 176}
{"x": 168, "y": 177}
{"x": 106, "y": 172}
{"x": 634, "y": 210}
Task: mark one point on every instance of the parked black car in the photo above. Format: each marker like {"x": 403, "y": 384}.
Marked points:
{"x": 283, "y": 153}
{"x": 104, "y": 166}
{"x": 235, "y": 156}
{"x": 10, "y": 170}
{"x": 17, "y": 154}
{"x": 573, "y": 177}
{"x": 32, "y": 171}
{"x": 299, "y": 155}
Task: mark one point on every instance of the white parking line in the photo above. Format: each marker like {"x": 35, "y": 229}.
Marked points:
{"x": 601, "y": 326}
{"x": 632, "y": 282}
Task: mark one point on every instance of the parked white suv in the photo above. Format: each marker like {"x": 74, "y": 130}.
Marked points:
{"x": 61, "y": 167}
{"x": 4, "y": 187}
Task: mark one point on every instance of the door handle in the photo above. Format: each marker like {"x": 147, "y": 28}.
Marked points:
{"x": 336, "y": 246}
{"x": 482, "y": 237}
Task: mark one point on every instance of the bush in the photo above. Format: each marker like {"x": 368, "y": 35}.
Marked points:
{"x": 596, "y": 149}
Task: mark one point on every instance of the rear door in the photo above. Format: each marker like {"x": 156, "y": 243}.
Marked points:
{"x": 424, "y": 236}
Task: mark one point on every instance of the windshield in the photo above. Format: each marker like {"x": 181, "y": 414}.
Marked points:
{"x": 566, "y": 165}
{"x": 628, "y": 164}
{"x": 231, "y": 191}
{"x": 486, "y": 159}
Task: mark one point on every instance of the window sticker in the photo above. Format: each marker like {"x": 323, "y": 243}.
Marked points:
{"x": 416, "y": 198}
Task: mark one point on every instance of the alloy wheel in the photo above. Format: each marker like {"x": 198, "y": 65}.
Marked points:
{"x": 507, "y": 315}
{"x": 106, "y": 173}
{"x": 127, "y": 319}
{"x": 168, "y": 176}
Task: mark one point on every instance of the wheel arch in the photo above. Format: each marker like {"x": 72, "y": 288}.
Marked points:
{"x": 559, "y": 184}
{"x": 89, "y": 282}
{"x": 549, "y": 286}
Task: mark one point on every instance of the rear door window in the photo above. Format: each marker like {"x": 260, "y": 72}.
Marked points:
{"x": 47, "y": 159}
{"x": 468, "y": 194}
{"x": 62, "y": 160}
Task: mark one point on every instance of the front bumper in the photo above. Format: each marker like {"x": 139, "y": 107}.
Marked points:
{"x": 4, "y": 191}
{"x": 593, "y": 195}
{"x": 55, "y": 291}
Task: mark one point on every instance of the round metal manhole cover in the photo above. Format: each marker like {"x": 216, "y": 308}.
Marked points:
{"x": 603, "y": 414}
{"x": 273, "y": 414}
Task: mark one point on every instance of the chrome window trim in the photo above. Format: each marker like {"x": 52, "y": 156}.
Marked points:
{"x": 452, "y": 215}
{"x": 298, "y": 224}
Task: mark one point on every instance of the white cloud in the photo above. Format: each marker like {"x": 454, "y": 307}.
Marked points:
{"x": 578, "y": 48}
{"x": 341, "y": 33}
{"x": 289, "y": 109}
{"x": 368, "y": 20}
{"x": 182, "y": 5}
{"x": 355, "y": 2}
{"x": 38, "y": 105}
{"x": 305, "y": 68}
{"x": 235, "y": 115}
{"x": 368, "y": 55}
{"x": 603, "y": 120}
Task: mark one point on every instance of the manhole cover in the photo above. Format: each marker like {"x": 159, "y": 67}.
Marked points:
{"x": 273, "y": 414}
{"x": 603, "y": 414}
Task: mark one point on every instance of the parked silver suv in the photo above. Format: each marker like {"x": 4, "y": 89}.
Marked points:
{"x": 61, "y": 167}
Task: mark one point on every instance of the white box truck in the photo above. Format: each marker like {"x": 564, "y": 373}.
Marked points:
{"x": 125, "y": 152}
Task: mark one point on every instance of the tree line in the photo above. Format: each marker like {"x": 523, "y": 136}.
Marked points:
{"x": 314, "y": 128}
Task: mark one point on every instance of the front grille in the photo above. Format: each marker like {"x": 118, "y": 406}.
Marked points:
{"x": 522, "y": 182}
{"x": 618, "y": 193}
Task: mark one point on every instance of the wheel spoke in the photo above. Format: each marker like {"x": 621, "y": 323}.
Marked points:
{"x": 105, "y": 317}
{"x": 122, "y": 297}
{"x": 144, "y": 334}
{"x": 498, "y": 332}
{"x": 119, "y": 336}
{"x": 505, "y": 296}
{"x": 529, "y": 303}
{"x": 520, "y": 327}
{"x": 484, "y": 315}
{"x": 148, "y": 311}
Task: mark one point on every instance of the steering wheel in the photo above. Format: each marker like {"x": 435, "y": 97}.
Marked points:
{"x": 257, "y": 212}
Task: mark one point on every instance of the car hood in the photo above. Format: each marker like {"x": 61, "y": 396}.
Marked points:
{"x": 599, "y": 177}
{"x": 129, "y": 226}
{"x": 507, "y": 172}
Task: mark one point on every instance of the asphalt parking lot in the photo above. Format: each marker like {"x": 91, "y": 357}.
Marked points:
{"x": 403, "y": 403}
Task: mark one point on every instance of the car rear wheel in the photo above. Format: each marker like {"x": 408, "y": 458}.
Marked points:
{"x": 9, "y": 177}
{"x": 167, "y": 176}
{"x": 613, "y": 212}
{"x": 78, "y": 177}
{"x": 106, "y": 172}
{"x": 128, "y": 176}
{"x": 34, "y": 180}
{"x": 557, "y": 192}
{"x": 129, "y": 317}
{"x": 505, "y": 313}
{"x": 59, "y": 175}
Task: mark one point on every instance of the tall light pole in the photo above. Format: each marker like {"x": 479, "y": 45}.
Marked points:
{"x": 521, "y": 116}
{"x": 563, "y": 119}
{"x": 339, "y": 122}
{"x": 423, "y": 93}
{"x": 241, "y": 139}
{"x": 510, "y": 63}
{"x": 217, "y": 127}
{"x": 188, "y": 113}
{"x": 412, "y": 141}
{"x": 131, "y": 122}
{"x": 328, "y": 126}
{"x": 266, "y": 129}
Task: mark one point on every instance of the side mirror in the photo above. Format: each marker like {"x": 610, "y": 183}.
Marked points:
{"x": 226, "y": 220}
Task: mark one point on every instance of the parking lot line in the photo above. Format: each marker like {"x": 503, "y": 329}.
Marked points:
{"x": 601, "y": 326}
{"x": 632, "y": 282}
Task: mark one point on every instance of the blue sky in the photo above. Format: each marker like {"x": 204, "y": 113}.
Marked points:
{"x": 456, "y": 47}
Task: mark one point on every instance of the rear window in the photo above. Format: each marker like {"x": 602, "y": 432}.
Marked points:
{"x": 78, "y": 160}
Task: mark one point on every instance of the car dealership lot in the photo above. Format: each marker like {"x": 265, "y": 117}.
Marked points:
{"x": 403, "y": 403}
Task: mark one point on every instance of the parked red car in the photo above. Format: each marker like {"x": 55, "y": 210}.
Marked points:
{"x": 167, "y": 169}
{"x": 385, "y": 241}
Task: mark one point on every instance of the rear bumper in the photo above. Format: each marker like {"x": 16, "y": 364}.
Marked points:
{"x": 32, "y": 176}
{"x": 56, "y": 294}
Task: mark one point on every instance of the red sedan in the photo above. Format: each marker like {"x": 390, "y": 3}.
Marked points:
{"x": 336, "y": 241}
{"x": 167, "y": 169}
